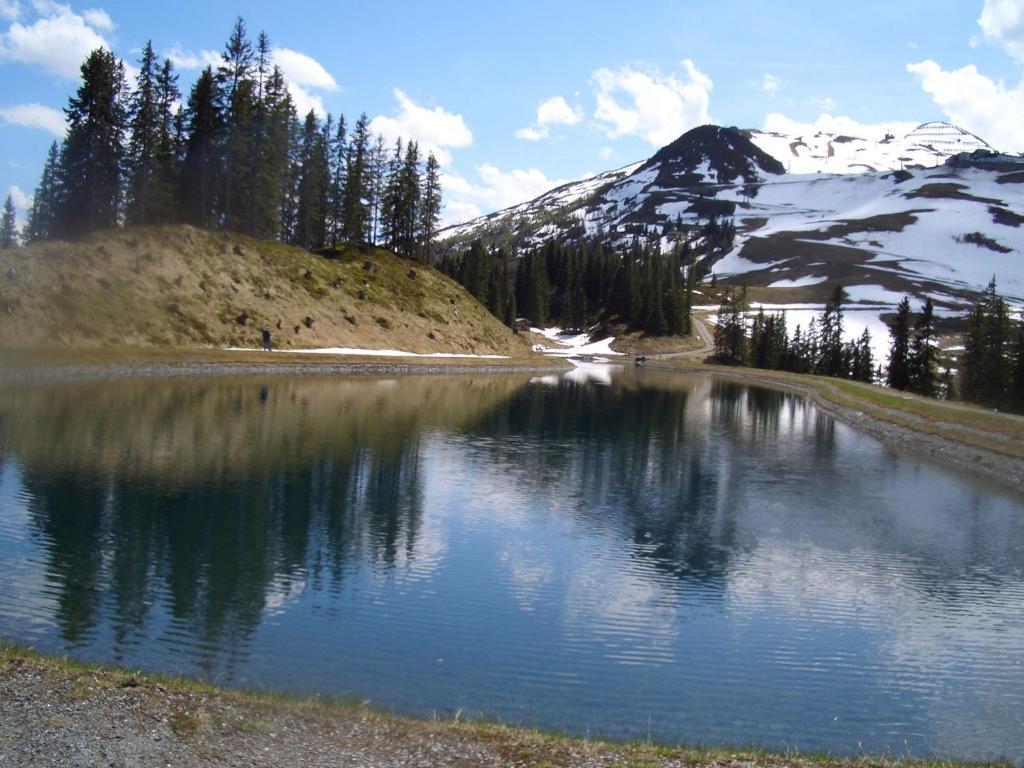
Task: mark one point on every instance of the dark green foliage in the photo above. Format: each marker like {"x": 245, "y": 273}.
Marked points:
{"x": 730, "y": 331}
{"x": 42, "y": 216}
{"x": 235, "y": 157}
{"x": 310, "y": 230}
{"x": 8, "y": 225}
{"x": 985, "y": 378}
{"x": 197, "y": 200}
{"x": 91, "y": 159}
{"x": 898, "y": 375}
{"x": 355, "y": 216}
{"x": 153, "y": 150}
{"x": 923, "y": 376}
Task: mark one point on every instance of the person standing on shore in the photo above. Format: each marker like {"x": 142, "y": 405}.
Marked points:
{"x": 266, "y": 340}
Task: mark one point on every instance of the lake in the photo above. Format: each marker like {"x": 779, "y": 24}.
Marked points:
{"x": 621, "y": 553}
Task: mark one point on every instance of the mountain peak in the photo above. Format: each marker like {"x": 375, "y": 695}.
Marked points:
{"x": 712, "y": 154}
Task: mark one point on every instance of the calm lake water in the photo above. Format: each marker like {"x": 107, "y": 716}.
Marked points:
{"x": 637, "y": 556}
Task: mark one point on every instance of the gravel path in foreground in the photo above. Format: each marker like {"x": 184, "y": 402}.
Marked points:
{"x": 55, "y": 713}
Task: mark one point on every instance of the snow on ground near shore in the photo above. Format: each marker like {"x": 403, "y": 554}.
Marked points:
{"x": 599, "y": 348}
{"x": 573, "y": 344}
{"x": 559, "y": 336}
{"x": 373, "y": 353}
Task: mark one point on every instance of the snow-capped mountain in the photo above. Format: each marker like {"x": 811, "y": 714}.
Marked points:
{"x": 926, "y": 146}
{"x": 935, "y": 212}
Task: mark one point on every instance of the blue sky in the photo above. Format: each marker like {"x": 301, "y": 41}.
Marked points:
{"x": 519, "y": 97}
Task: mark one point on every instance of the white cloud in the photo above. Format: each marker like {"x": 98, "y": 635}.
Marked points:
{"x": 19, "y": 198}
{"x": 35, "y": 116}
{"x": 304, "y": 75}
{"x": 188, "y": 60}
{"x": 553, "y": 111}
{"x": 436, "y": 130}
{"x": 1002, "y": 22}
{"x": 457, "y": 212}
{"x": 827, "y": 104}
{"x": 58, "y": 41}
{"x": 10, "y": 10}
{"x": 646, "y": 103}
{"x": 303, "y": 70}
{"x": 770, "y": 83}
{"x": 606, "y": 153}
{"x": 491, "y": 190}
{"x": 844, "y": 126}
{"x": 992, "y": 110}
{"x": 98, "y": 18}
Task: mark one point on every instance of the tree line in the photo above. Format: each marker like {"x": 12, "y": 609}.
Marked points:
{"x": 234, "y": 156}
{"x": 818, "y": 349}
{"x": 989, "y": 371}
{"x": 576, "y": 285}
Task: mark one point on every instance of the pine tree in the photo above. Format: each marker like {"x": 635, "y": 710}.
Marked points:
{"x": 148, "y": 197}
{"x": 430, "y": 206}
{"x": 203, "y": 162}
{"x": 309, "y": 232}
{"x": 46, "y": 201}
{"x": 923, "y": 376}
{"x": 237, "y": 91}
{"x": 339, "y": 155}
{"x": 355, "y": 216}
{"x": 730, "y": 332}
{"x": 986, "y": 369}
{"x": 90, "y": 169}
{"x": 898, "y": 376}
{"x": 170, "y": 146}
{"x": 273, "y": 188}
{"x": 862, "y": 367}
{"x": 830, "y": 350}
{"x": 8, "y": 225}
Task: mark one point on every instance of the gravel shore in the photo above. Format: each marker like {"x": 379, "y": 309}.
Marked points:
{"x": 58, "y": 713}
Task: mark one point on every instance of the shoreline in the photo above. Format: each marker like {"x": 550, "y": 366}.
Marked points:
{"x": 32, "y": 366}
{"x": 987, "y": 455}
{"x": 56, "y": 711}
{"x": 954, "y": 435}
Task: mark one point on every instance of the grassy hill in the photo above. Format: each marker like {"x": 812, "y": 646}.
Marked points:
{"x": 178, "y": 286}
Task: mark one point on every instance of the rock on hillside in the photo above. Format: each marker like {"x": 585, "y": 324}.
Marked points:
{"x": 185, "y": 287}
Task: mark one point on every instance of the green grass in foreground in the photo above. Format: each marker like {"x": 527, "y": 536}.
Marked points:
{"x": 518, "y": 746}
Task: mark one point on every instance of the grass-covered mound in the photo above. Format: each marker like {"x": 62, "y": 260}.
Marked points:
{"x": 178, "y": 286}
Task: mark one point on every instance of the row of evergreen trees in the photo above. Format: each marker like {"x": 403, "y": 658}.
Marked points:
{"x": 235, "y": 156}
{"x": 579, "y": 284}
{"x": 990, "y": 369}
{"x": 818, "y": 349}
{"x": 992, "y": 363}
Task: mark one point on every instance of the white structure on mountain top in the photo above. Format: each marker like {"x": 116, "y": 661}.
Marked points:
{"x": 945, "y": 138}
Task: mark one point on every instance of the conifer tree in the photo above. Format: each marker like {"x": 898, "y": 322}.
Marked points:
{"x": 8, "y": 225}
{"x": 339, "y": 155}
{"x": 862, "y": 366}
{"x": 46, "y": 201}
{"x": 898, "y": 376}
{"x": 202, "y": 166}
{"x": 354, "y": 214}
{"x": 830, "y": 350}
{"x": 923, "y": 377}
{"x": 309, "y": 231}
{"x": 91, "y": 159}
{"x": 150, "y": 149}
{"x": 430, "y": 206}
{"x": 237, "y": 91}
{"x": 272, "y": 184}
